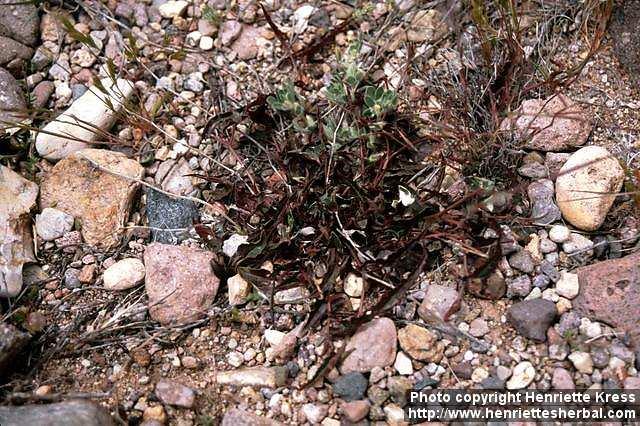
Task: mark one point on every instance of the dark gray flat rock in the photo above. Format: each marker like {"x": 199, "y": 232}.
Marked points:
{"x": 169, "y": 213}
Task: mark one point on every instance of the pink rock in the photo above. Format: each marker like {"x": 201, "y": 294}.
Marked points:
{"x": 562, "y": 380}
{"x": 229, "y": 32}
{"x": 632, "y": 383}
{"x": 180, "y": 283}
{"x": 174, "y": 393}
{"x": 610, "y": 292}
{"x": 355, "y": 411}
{"x": 439, "y": 303}
{"x": 553, "y": 124}
{"x": 373, "y": 345}
{"x": 246, "y": 45}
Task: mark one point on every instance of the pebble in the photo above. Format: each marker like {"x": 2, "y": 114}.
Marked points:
{"x": 71, "y": 278}
{"x": 479, "y": 374}
{"x": 394, "y": 414}
{"x": 52, "y": 224}
{"x": 12, "y": 99}
{"x": 540, "y": 282}
{"x": 403, "y": 364}
{"x": 544, "y": 209}
{"x": 503, "y": 372}
{"x": 124, "y": 274}
{"x": 549, "y": 270}
{"x": 230, "y": 245}
{"x": 239, "y": 290}
{"x": 206, "y": 43}
{"x": 478, "y": 327}
{"x": 439, "y": 302}
{"x": 582, "y": 362}
{"x": 562, "y": 380}
{"x": 373, "y": 345}
{"x": 180, "y": 282}
{"x": 420, "y": 343}
{"x": 522, "y": 261}
{"x": 86, "y": 274}
{"x": 273, "y": 337}
{"x": 590, "y": 329}
{"x": 315, "y": 413}
{"x": 556, "y": 123}
{"x": 559, "y": 234}
{"x": 519, "y": 286}
{"x": 355, "y": 411}
{"x": 599, "y": 357}
{"x": 172, "y": 8}
{"x": 229, "y": 32}
{"x": 586, "y": 187}
{"x": 351, "y": 386}
{"x": 68, "y": 134}
{"x": 532, "y": 318}
{"x": 533, "y": 170}
{"x": 536, "y": 293}
{"x": 235, "y": 359}
{"x": 547, "y": 246}
{"x": 170, "y": 213}
{"x": 568, "y": 286}
{"x": 577, "y": 244}
{"x": 353, "y": 285}
{"x": 173, "y": 393}
{"x": 522, "y": 376}
{"x": 261, "y": 377}
{"x": 559, "y": 351}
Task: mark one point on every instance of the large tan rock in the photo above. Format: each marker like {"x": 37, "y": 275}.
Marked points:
{"x": 586, "y": 187}
{"x": 553, "y": 124}
{"x": 17, "y": 197}
{"x": 96, "y": 187}
{"x": 180, "y": 282}
{"x": 420, "y": 343}
{"x": 85, "y": 120}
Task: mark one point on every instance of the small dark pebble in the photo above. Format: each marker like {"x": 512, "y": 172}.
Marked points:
{"x": 492, "y": 383}
{"x": 541, "y": 281}
{"x": 351, "y": 386}
{"x": 600, "y": 246}
{"x": 600, "y": 357}
{"x": 423, "y": 383}
{"x": 549, "y": 270}
{"x": 71, "y": 279}
{"x": 169, "y": 213}
{"x": 292, "y": 368}
{"x": 615, "y": 248}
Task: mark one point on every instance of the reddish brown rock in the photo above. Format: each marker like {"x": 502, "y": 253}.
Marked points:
{"x": 100, "y": 199}
{"x": 373, "y": 345}
{"x": 180, "y": 282}
{"x": 553, "y": 124}
{"x": 610, "y": 292}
